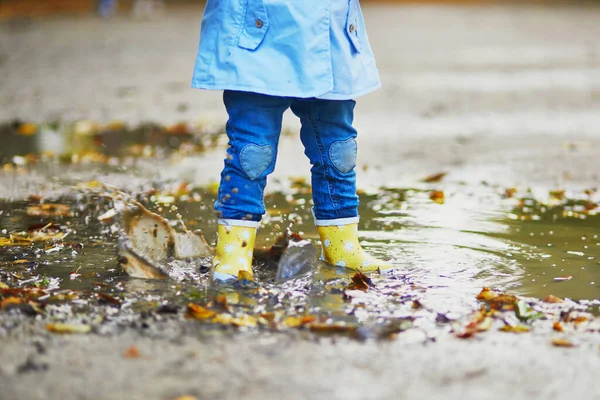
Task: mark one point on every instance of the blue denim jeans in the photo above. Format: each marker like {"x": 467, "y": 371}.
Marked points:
{"x": 253, "y": 129}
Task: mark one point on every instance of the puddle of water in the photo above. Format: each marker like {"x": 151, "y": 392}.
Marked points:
{"x": 445, "y": 253}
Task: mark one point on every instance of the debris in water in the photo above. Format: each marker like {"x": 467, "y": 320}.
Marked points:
{"x": 563, "y": 278}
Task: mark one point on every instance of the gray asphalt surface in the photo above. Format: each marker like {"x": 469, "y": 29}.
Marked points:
{"x": 505, "y": 94}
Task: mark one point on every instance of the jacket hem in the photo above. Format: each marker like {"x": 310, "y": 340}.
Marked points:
{"x": 329, "y": 95}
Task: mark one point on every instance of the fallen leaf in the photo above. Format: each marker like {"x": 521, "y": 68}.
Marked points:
{"x": 510, "y": 192}
{"x": 108, "y": 298}
{"x": 557, "y": 195}
{"x": 503, "y": 302}
{"x": 3, "y": 286}
{"x": 435, "y": 177}
{"x": 196, "y": 311}
{"x": 68, "y": 328}
{"x": 27, "y": 129}
{"x": 437, "y": 196}
{"x": 10, "y": 301}
{"x": 557, "y": 326}
{"x": 296, "y": 322}
{"x": 360, "y": 282}
{"x": 559, "y": 342}
{"x": 244, "y": 320}
{"x": 553, "y": 299}
{"x": 515, "y": 328}
{"x": 416, "y": 305}
{"x": 332, "y": 328}
{"x": 497, "y": 300}
{"x": 132, "y": 352}
{"x": 49, "y": 210}
{"x": 486, "y": 294}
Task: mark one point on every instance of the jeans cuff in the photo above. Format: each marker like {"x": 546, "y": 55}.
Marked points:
{"x": 337, "y": 221}
{"x": 238, "y": 222}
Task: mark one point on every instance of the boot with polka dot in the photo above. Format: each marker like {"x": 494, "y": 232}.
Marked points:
{"x": 235, "y": 246}
{"x": 342, "y": 248}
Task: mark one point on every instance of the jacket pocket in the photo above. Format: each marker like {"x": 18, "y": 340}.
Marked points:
{"x": 255, "y": 25}
{"x": 352, "y": 24}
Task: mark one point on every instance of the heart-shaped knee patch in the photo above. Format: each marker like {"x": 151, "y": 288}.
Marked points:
{"x": 255, "y": 159}
{"x": 343, "y": 155}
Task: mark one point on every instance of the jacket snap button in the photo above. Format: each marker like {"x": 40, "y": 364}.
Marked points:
{"x": 351, "y": 28}
{"x": 259, "y": 23}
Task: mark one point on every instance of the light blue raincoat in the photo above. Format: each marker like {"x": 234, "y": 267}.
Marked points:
{"x": 291, "y": 48}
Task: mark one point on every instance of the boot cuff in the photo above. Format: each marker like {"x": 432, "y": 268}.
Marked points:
{"x": 238, "y": 222}
{"x": 336, "y": 222}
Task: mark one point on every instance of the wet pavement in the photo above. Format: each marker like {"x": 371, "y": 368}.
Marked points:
{"x": 477, "y": 168}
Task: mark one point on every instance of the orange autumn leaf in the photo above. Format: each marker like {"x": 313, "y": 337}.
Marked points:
{"x": 132, "y": 352}
{"x": 11, "y": 301}
{"x": 27, "y": 129}
{"x": 196, "y": 311}
{"x": 557, "y": 326}
{"x": 437, "y": 196}
{"x": 553, "y": 299}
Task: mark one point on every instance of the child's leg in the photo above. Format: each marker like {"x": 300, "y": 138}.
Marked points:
{"x": 253, "y": 129}
{"x": 330, "y": 143}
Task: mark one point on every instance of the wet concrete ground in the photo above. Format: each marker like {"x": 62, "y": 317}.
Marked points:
{"x": 497, "y": 97}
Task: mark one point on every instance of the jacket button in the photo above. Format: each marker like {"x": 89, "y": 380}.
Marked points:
{"x": 351, "y": 28}
{"x": 259, "y": 23}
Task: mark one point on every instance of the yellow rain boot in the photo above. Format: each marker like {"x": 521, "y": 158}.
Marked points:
{"x": 235, "y": 246}
{"x": 341, "y": 248}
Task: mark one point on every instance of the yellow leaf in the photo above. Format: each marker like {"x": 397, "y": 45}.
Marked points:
{"x": 68, "y": 328}
{"x": 295, "y": 322}
{"x": 224, "y": 319}
{"x": 515, "y": 329}
{"x": 244, "y": 320}
{"x": 486, "y": 294}
{"x": 3, "y": 285}
{"x": 559, "y": 342}
{"x": 553, "y": 299}
{"x": 198, "y": 312}
{"x": 27, "y": 129}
